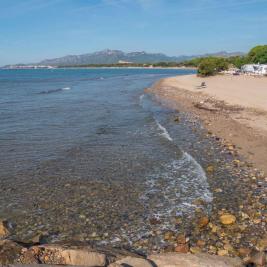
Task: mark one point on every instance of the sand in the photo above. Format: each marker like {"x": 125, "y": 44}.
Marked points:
{"x": 233, "y": 108}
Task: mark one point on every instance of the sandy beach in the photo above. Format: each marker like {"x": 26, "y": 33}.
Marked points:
{"x": 233, "y": 108}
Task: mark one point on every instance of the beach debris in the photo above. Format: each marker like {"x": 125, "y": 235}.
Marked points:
{"x": 227, "y": 219}
{"x": 206, "y": 106}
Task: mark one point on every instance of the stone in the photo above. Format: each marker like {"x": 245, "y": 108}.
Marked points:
{"x": 9, "y": 252}
{"x": 258, "y": 259}
{"x": 4, "y": 232}
{"x": 227, "y": 219}
{"x": 262, "y": 244}
{"x": 131, "y": 262}
{"x": 182, "y": 248}
{"x": 244, "y": 252}
{"x": 201, "y": 243}
{"x": 181, "y": 239}
{"x": 210, "y": 169}
{"x": 168, "y": 235}
{"x": 177, "y": 119}
{"x": 203, "y": 221}
{"x": 195, "y": 250}
{"x": 28, "y": 257}
{"x": 222, "y": 252}
{"x": 193, "y": 260}
{"x": 56, "y": 254}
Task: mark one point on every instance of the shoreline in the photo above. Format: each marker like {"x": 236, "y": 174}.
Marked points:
{"x": 244, "y": 127}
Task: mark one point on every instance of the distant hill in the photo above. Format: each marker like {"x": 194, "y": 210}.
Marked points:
{"x": 114, "y": 56}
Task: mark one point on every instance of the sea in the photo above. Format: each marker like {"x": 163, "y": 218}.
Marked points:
{"x": 87, "y": 154}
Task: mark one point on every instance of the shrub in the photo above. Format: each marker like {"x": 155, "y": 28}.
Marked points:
{"x": 211, "y": 66}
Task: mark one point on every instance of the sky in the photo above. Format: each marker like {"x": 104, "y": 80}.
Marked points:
{"x": 32, "y": 30}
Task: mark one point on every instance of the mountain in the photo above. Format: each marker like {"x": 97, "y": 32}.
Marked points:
{"x": 114, "y": 56}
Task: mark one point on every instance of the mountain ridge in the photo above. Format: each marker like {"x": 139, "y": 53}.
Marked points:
{"x": 109, "y": 56}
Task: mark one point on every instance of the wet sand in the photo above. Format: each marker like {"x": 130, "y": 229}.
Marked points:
{"x": 231, "y": 107}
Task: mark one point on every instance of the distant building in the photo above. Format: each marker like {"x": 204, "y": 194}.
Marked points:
{"x": 124, "y": 62}
{"x": 249, "y": 68}
{"x": 257, "y": 69}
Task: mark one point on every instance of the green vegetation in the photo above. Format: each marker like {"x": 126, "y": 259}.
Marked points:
{"x": 212, "y": 65}
{"x": 258, "y": 54}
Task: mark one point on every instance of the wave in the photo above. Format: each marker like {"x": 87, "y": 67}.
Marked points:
{"x": 164, "y": 131}
{"x": 172, "y": 190}
{"x": 54, "y": 90}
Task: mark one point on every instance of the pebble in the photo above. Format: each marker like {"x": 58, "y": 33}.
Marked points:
{"x": 203, "y": 221}
{"x": 227, "y": 219}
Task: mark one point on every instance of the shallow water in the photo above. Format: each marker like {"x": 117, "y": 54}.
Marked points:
{"x": 85, "y": 154}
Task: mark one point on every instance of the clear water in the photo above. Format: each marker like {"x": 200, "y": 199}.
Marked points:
{"x": 87, "y": 150}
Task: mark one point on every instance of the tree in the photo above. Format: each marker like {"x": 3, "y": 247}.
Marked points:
{"x": 258, "y": 54}
{"x": 211, "y": 66}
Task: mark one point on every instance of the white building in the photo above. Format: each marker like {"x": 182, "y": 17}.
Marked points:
{"x": 257, "y": 69}
{"x": 249, "y": 68}
{"x": 262, "y": 70}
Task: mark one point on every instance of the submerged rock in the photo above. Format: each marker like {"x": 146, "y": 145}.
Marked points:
{"x": 203, "y": 221}
{"x": 227, "y": 219}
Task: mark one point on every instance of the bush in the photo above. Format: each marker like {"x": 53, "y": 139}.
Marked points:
{"x": 211, "y": 66}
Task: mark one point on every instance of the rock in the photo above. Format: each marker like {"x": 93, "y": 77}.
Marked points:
{"x": 244, "y": 252}
{"x": 168, "y": 235}
{"x": 258, "y": 259}
{"x": 203, "y": 221}
{"x": 86, "y": 256}
{"x": 193, "y": 260}
{"x": 218, "y": 190}
{"x": 262, "y": 244}
{"x": 131, "y": 262}
{"x": 28, "y": 257}
{"x": 201, "y": 243}
{"x": 154, "y": 221}
{"x": 210, "y": 169}
{"x": 222, "y": 252}
{"x": 4, "y": 232}
{"x": 181, "y": 239}
{"x": 9, "y": 252}
{"x": 195, "y": 250}
{"x": 227, "y": 219}
{"x": 182, "y": 248}
{"x": 176, "y": 119}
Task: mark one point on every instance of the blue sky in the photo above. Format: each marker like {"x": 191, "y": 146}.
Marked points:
{"x": 31, "y": 30}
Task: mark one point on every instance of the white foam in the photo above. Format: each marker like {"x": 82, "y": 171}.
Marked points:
{"x": 66, "y": 88}
{"x": 184, "y": 181}
{"x": 164, "y": 133}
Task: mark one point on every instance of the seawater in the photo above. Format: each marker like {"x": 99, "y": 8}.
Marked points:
{"x": 84, "y": 153}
